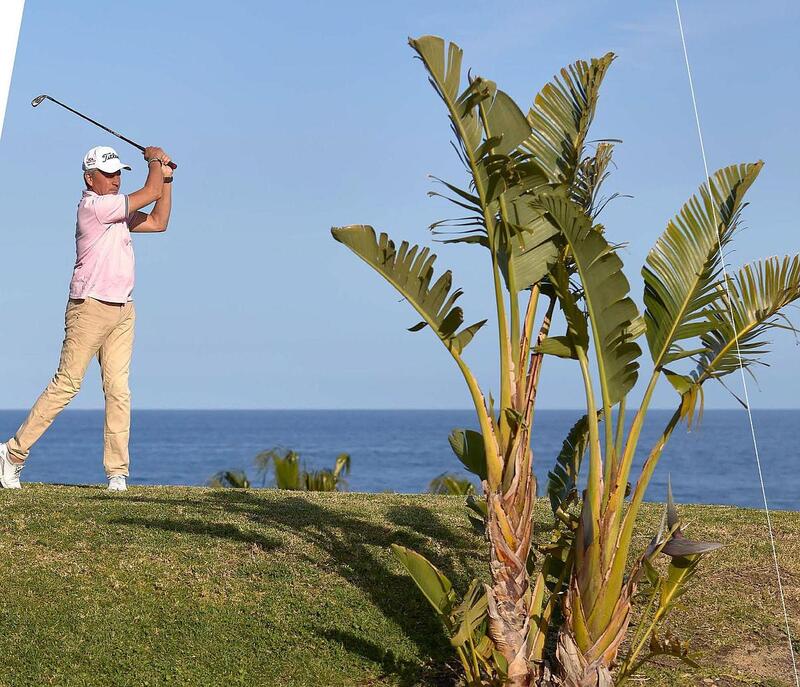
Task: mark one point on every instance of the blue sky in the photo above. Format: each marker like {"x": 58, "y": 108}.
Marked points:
{"x": 287, "y": 118}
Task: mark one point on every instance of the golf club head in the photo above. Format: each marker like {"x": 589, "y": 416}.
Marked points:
{"x": 37, "y": 100}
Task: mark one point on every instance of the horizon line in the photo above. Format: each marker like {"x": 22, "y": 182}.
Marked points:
{"x": 364, "y": 410}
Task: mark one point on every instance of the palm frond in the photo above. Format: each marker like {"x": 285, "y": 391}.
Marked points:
{"x": 592, "y": 173}
{"x": 683, "y": 268}
{"x": 410, "y": 270}
{"x": 561, "y": 115}
{"x": 744, "y": 312}
{"x": 611, "y": 311}
{"x": 284, "y": 466}
{"x": 443, "y": 60}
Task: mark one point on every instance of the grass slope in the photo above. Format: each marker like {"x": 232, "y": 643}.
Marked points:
{"x": 190, "y": 586}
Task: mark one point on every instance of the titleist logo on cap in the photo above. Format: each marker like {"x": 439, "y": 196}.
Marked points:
{"x": 103, "y": 158}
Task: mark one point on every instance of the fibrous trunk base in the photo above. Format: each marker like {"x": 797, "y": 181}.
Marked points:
{"x": 576, "y": 671}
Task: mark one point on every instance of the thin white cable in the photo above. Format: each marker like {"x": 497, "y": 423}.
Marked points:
{"x": 738, "y": 353}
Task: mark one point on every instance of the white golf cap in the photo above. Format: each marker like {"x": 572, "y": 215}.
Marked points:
{"x": 103, "y": 158}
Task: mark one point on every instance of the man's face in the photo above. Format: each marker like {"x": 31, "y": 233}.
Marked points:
{"x": 103, "y": 183}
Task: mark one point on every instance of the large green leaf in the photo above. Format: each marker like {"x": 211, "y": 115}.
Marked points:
{"x": 468, "y": 446}
{"x": 443, "y": 63}
{"x": 577, "y": 327}
{"x": 559, "y": 346}
{"x": 410, "y": 270}
{"x": 501, "y": 170}
{"x": 563, "y": 478}
{"x": 532, "y": 249}
{"x": 432, "y": 583}
{"x": 561, "y": 115}
{"x": 683, "y": 268}
{"x": 506, "y": 172}
{"x": 560, "y": 119}
{"x": 507, "y": 122}
{"x": 605, "y": 292}
{"x": 744, "y": 313}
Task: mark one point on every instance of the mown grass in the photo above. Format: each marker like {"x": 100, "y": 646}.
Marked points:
{"x": 190, "y": 586}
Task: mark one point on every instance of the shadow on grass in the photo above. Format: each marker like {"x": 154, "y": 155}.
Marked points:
{"x": 128, "y": 497}
{"x": 355, "y": 549}
{"x": 205, "y": 529}
{"x": 407, "y": 673}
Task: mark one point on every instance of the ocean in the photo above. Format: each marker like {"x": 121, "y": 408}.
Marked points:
{"x": 402, "y": 450}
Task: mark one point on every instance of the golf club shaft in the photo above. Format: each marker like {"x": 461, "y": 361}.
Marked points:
{"x": 102, "y": 126}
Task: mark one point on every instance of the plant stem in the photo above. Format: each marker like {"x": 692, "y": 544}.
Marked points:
{"x": 531, "y": 379}
{"x": 524, "y": 345}
{"x": 595, "y": 459}
{"x": 493, "y": 456}
{"x": 611, "y": 466}
{"x": 624, "y": 537}
{"x": 620, "y": 433}
{"x": 494, "y": 467}
{"x": 502, "y": 323}
{"x": 644, "y": 479}
{"x": 466, "y": 665}
{"x": 636, "y": 644}
{"x": 592, "y": 573}
{"x": 618, "y": 490}
{"x": 607, "y": 598}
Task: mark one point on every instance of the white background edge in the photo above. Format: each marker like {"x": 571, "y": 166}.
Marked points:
{"x": 10, "y": 22}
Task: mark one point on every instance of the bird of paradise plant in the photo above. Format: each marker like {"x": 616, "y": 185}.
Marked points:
{"x": 288, "y": 472}
{"x": 532, "y": 201}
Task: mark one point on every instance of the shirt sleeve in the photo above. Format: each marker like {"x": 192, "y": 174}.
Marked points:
{"x": 111, "y": 208}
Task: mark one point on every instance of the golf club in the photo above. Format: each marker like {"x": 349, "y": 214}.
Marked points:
{"x": 40, "y": 98}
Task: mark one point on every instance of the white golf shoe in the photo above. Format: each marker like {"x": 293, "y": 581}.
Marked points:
{"x": 9, "y": 472}
{"x": 117, "y": 483}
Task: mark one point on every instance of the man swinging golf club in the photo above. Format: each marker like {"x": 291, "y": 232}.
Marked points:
{"x": 100, "y": 315}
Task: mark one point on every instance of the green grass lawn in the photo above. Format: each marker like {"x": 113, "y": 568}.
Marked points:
{"x": 191, "y": 586}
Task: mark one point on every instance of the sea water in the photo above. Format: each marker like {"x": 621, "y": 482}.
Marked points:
{"x": 402, "y": 450}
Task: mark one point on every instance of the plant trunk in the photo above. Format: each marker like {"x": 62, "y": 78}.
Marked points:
{"x": 576, "y": 669}
{"x": 588, "y": 663}
{"x": 509, "y": 530}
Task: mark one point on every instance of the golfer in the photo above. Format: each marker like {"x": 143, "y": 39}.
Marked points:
{"x": 100, "y": 314}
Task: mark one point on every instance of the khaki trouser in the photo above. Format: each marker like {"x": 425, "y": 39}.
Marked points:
{"x": 91, "y": 328}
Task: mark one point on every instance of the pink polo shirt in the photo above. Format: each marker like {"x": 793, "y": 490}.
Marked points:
{"x": 104, "y": 265}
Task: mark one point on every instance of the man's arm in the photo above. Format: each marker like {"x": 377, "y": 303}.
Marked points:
{"x": 158, "y": 219}
{"x": 153, "y": 187}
